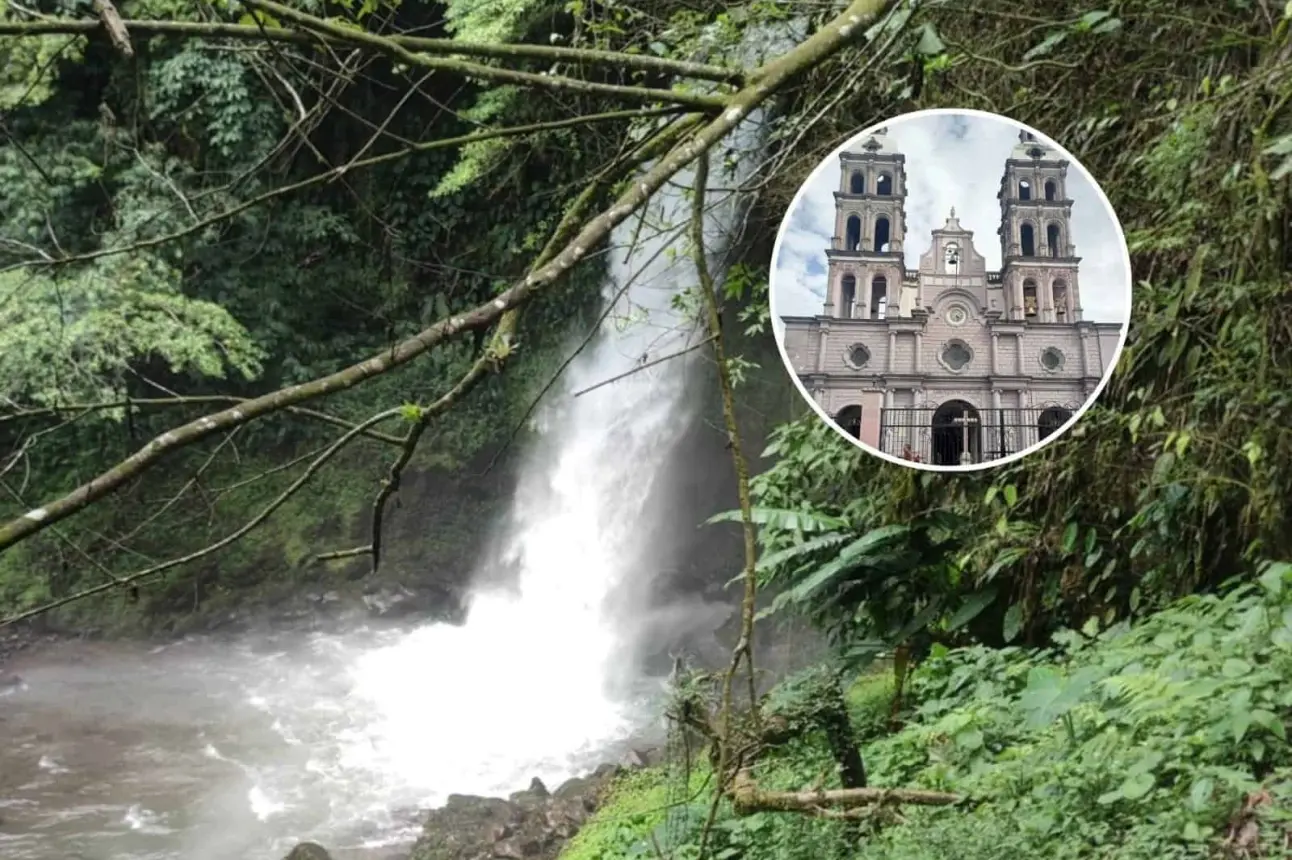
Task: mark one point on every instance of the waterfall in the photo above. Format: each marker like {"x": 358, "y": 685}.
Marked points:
{"x": 525, "y": 686}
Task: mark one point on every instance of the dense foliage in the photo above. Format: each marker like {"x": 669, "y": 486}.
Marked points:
{"x": 1177, "y": 478}
{"x": 196, "y": 269}
{"x": 1158, "y": 739}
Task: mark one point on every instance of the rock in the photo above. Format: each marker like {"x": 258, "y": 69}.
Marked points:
{"x": 308, "y": 851}
{"x": 633, "y": 759}
{"x": 533, "y": 824}
{"x": 10, "y": 682}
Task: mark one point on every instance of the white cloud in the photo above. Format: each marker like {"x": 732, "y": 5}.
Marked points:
{"x": 951, "y": 160}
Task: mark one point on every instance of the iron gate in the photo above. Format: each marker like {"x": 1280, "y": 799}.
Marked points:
{"x": 957, "y": 433}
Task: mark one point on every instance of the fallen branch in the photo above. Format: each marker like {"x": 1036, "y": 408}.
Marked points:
{"x": 769, "y": 79}
{"x": 747, "y": 798}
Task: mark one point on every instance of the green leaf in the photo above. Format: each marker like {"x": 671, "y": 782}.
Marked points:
{"x": 1047, "y": 45}
{"x": 1011, "y": 495}
{"x": 1200, "y": 794}
{"x": 1235, "y": 668}
{"x": 1070, "y": 537}
{"x": 1137, "y": 785}
{"x": 971, "y": 609}
{"x": 1275, "y": 576}
{"x": 1013, "y": 622}
{"x": 1271, "y": 722}
{"x": 930, "y": 44}
{"x": 851, "y": 557}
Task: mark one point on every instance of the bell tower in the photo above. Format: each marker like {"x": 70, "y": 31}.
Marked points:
{"x": 1038, "y": 258}
{"x": 865, "y": 261}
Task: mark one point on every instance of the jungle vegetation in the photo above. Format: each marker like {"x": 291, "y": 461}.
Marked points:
{"x": 1085, "y": 653}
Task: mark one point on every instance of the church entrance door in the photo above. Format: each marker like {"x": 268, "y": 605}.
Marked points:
{"x": 957, "y": 434}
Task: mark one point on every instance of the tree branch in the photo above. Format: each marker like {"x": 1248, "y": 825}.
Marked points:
{"x": 335, "y": 173}
{"x": 687, "y": 350}
{"x": 771, "y": 78}
{"x": 399, "y": 53}
{"x": 116, "y": 28}
{"x": 228, "y": 539}
{"x": 748, "y": 798}
{"x": 442, "y": 47}
{"x": 155, "y": 402}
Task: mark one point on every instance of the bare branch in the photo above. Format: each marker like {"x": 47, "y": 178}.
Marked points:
{"x": 398, "y": 52}
{"x": 116, "y": 28}
{"x": 228, "y": 539}
{"x": 442, "y": 47}
{"x": 644, "y": 365}
{"x": 196, "y": 400}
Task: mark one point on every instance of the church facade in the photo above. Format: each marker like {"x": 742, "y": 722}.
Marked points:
{"x": 951, "y": 364}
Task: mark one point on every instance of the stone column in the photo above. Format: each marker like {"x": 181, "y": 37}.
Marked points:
{"x": 892, "y": 350}
{"x": 1046, "y": 298}
{"x": 995, "y": 352}
{"x": 997, "y": 426}
{"x": 1018, "y": 354}
{"x": 1085, "y": 351}
{"x": 919, "y": 352}
{"x": 821, "y": 347}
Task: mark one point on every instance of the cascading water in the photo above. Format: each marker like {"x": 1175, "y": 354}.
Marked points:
{"x": 525, "y": 686}
{"x": 203, "y": 751}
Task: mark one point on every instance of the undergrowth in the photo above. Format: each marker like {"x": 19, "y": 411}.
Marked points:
{"x": 1161, "y": 739}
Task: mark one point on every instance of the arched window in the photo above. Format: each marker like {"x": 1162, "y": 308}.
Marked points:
{"x": 1053, "y": 237}
{"x": 1029, "y": 298}
{"x": 884, "y": 187}
{"x": 857, "y": 184}
{"x": 879, "y": 298}
{"x": 1024, "y": 190}
{"x": 1060, "y": 292}
{"x": 1027, "y": 240}
{"x": 847, "y": 296}
{"x": 881, "y": 233}
{"x": 1051, "y": 190}
{"x": 852, "y": 236}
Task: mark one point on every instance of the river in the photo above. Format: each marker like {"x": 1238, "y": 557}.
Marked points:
{"x": 208, "y": 749}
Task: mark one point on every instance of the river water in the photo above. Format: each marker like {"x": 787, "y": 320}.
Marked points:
{"x": 210, "y": 749}
{"x": 215, "y": 749}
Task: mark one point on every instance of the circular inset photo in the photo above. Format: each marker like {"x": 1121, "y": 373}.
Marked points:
{"x": 950, "y": 290}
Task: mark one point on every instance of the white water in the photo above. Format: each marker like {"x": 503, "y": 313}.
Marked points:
{"x": 203, "y": 751}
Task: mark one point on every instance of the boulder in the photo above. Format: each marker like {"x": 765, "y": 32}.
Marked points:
{"x": 308, "y": 851}
{"x": 533, "y": 824}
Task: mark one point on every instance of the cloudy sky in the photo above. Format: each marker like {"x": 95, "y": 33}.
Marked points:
{"x": 951, "y": 160}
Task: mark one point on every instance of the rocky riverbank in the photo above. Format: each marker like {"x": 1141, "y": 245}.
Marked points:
{"x": 534, "y": 824}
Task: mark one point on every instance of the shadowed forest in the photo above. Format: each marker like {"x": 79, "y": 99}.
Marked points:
{"x": 283, "y": 284}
